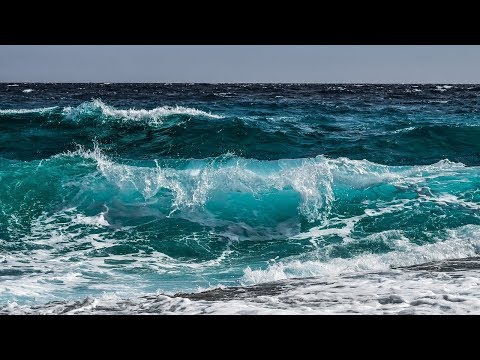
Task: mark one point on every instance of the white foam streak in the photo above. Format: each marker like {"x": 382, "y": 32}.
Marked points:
{"x": 349, "y": 223}
{"x": 443, "y": 87}
{"x": 407, "y": 129}
{"x": 462, "y": 242}
{"x": 153, "y": 116}
{"x": 27, "y": 111}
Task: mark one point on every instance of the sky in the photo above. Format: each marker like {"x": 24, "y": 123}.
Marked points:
{"x": 241, "y": 63}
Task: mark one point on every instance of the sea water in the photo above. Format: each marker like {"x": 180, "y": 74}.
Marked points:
{"x": 239, "y": 198}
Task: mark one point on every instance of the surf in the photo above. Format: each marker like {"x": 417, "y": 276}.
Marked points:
{"x": 159, "y": 195}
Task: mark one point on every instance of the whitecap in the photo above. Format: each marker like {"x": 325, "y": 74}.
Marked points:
{"x": 27, "y": 111}
{"x": 153, "y": 116}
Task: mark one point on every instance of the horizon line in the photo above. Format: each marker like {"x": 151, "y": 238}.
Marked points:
{"x": 239, "y": 82}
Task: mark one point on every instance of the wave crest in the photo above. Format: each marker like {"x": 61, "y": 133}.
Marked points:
{"x": 155, "y": 116}
{"x": 228, "y": 180}
{"x": 103, "y": 112}
{"x": 40, "y": 111}
{"x": 208, "y": 180}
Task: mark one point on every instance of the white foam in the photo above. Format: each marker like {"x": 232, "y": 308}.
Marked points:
{"x": 407, "y": 129}
{"x": 443, "y": 87}
{"x": 62, "y": 260}
{"x": 439, "y": 101}
{"x": 97, "y": 221}
{"x": 348, "y": 224}
{"x": 27, "y": 91}
{"x": 448, "y": 199}
{"x": 462, "y": 242}
{"x": 153, "y": 116}
{"x": 26, "y": 111}
{"x": 386, "y": 292}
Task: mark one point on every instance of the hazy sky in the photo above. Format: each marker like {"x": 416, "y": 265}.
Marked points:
{"x": 241, "y": 63}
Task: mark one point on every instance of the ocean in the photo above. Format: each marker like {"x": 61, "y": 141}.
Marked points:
{"x": 239, "y": 199}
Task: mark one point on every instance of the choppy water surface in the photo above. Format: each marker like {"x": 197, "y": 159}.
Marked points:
{"x": 242, "y": 198}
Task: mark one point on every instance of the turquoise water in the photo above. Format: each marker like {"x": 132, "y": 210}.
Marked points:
{"x": 149, "y": 188}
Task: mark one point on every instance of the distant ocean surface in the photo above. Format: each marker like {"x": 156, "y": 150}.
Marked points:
{"x": 239, "y": 199}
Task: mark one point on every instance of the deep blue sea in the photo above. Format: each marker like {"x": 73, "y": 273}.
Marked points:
{"x": 239, "y": 198}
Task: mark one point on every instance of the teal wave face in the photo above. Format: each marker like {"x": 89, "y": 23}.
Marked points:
{"x": 199, "y": 222}
{"x": 192, "y": 187}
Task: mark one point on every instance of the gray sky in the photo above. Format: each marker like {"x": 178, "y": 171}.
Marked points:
{"x": 241, "y": 63}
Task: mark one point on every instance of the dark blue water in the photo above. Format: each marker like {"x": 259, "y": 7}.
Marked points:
{"x": 143, "y": 188}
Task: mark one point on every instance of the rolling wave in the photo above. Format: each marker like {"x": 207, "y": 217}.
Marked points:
{"x": 237, "y": 188}
{"x": 153, "y": 116}
{"x": 104, "y": 113}
{"x": 181, "y": 132}
{"x": 326, "y": 217}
